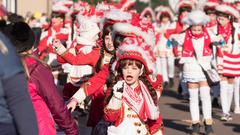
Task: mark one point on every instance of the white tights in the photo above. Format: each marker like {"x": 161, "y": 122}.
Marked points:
{"x": 206, "y": 103}
{"x": 236, "y": 92}
{"x": 226, "y": 94}
{"x": 165, "y": 67}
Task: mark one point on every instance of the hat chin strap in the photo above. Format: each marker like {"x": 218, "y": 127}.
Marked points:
{"x": 141, "y": 71}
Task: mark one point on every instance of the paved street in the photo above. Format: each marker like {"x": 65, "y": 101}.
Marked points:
{"x": 177, "y": 118}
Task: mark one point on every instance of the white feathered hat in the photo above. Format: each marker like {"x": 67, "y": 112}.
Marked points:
{"x": 228, "y": 8}
{"x": 163, "y": 10}
{"x": 211, "y": 4}
{"x": 132, "y": 48}
{"x": 114, "y": 16}
{"x": 185, "y": 3}
{"x": 87, "y": 29}
{"x": 128, "y": 30}
{"x": 126, "y": 4}
{"x": 59, "y": 7}
{"x": 196, "y": 17}
{"x": 148, "y": 10}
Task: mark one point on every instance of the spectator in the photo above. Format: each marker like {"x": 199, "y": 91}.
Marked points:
{"x": 48, "y": 103}
{"x": 16, "y": 110}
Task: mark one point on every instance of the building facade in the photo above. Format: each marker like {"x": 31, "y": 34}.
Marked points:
{"x": 22, "y": 7}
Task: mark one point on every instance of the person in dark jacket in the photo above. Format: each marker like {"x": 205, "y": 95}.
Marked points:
{"x": 46, "y": 99}
{"x": 17, "y": 116}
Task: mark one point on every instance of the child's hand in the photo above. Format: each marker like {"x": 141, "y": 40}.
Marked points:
{"x": 118, "y": 87}
{"x": 56, "y": 43}
{"x": 72, "y": 104}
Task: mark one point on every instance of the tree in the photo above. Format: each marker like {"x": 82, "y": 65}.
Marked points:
{"x": 139, "y": 5}
{"x": 154, "y": 3}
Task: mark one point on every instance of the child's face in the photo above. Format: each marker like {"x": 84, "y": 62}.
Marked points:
{"x": 56, "y": 20}
{"x": 149, "y": 18}
{"x": 196, "y": 29}
{"x": 165, "y": 20}
{"x": 131, "y": 74}
{"x": 223, "y": 20}
{"x": 213, "y": 17}
{"x": 108, "y": 42}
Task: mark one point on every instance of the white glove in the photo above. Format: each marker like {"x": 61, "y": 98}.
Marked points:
{"x": 118, "y": 89}
{"x": 115, "y": 103}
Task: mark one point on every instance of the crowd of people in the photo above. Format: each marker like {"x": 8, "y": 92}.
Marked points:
{"x": 115, "y": 63}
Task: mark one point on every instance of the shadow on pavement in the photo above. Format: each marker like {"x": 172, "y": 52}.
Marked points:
{"x": 180, "y": 107}
{"x": 178, "y": 125}
{"x": 171, "y": 93}
{"x": 236, "y": 127}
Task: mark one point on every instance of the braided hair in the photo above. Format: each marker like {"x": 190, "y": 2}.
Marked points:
{"x": 106, "y": 32}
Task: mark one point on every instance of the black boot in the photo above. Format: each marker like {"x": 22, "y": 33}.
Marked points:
{"x": 165, "y": 85}
{"x": 215, "y": 103}
{"x": 179, "y": 90}
{"x": 171, "y": 82}
{"x": 208, "y": 129}
{"x": 195, "y": 129}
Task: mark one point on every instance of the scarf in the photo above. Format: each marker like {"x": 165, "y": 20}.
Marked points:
{"x": 226, "y": 32}
{"x": 141, "y": 103}
{"x": 188, "y": 50}
{"x": 211, "y": 24}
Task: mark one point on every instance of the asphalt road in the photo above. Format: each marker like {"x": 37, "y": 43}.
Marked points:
{"x": 176, "y": 115}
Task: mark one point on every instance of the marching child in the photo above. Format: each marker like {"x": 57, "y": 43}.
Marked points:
{"x": 228, "y": 56}
{"x": 196, "y": 57}
{"x": 131, "y": 101}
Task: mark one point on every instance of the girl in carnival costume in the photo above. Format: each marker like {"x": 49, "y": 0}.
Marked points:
{"x": 95, "y": 86}
{"x": 196, "y": 57}
{"x": 182, "y": 8}
{"x": 131, "y": 100}
{"x": 164, "y": 54}
{"x": 228, "y": 56}
{"x": 56, "y": 29}
{"x": 237, "y": 79}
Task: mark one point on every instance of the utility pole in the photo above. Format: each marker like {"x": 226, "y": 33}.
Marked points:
{"x": 150, "y": 3}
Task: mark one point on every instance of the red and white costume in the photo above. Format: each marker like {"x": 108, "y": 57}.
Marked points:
{"x": 56, "y": 30}
{"x": 197, "y": 54}
{"x": 133, "y": 111}
{"x": 45, "y": 45}
{"x": 84, "y": 53}
{"x": 127, "y": 120}
{"x": 228, "y": 56}
{"x": 164, "y": 54}
{"x": 201, "y": 44}
{"x": 177, "y": 26}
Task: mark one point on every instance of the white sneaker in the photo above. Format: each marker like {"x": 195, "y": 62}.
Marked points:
{"x": 226, "y": 117}
{"x": 237, "y": 110}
